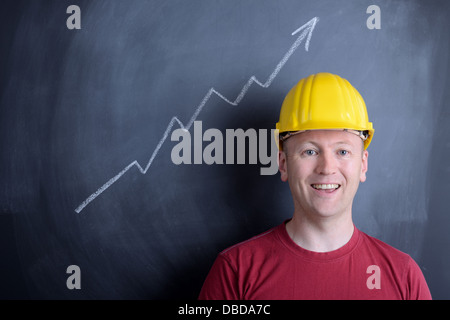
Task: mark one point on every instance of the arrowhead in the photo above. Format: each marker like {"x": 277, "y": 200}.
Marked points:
{"x": 307, "y": 30}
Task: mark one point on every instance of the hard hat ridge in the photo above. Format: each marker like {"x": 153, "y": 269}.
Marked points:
{"x": 324, "y": 101}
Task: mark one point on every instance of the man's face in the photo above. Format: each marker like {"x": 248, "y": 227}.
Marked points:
{"x": 323, "y": 169}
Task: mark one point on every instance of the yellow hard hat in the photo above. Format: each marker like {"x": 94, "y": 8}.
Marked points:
{"x": 324, "y": 101}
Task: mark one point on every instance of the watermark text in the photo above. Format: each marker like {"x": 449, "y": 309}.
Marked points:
{"x": 235, "y": 147}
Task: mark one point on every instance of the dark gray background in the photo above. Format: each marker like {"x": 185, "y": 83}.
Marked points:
{"x": 78, "y": 106}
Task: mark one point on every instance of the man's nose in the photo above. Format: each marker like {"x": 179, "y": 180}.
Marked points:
{"x": 327, "y": 164}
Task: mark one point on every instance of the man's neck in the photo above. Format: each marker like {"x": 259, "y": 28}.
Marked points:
{"x": 320, "y": 235}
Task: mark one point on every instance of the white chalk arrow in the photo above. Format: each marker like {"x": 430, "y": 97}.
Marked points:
{"x": 305, "y": 31}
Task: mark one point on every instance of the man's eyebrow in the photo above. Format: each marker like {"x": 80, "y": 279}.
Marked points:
{"x": 347, "y": 143}
{"x": 319, "y": 145}
{"x": 344, "y": 142}
{"x": 309, "y": 142}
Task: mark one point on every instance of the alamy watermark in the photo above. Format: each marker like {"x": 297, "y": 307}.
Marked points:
{"x": 374, "y": 21}
{"x": 213, "y": 147}
{"x": 74, "y": 20}
{"x": 74, "y": 280}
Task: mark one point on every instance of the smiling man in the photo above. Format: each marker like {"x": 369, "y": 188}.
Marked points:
{"x": 323, "y": 169}
{"x": 324, "y": 133}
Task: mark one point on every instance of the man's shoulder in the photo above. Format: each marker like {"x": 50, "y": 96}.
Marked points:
{"x": 383, "y": 249}
{"x": 401, "y": 266}
{"x": 254, "y": 244}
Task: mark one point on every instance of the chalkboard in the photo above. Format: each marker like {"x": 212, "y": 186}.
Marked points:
{"x": 91, "y": 96}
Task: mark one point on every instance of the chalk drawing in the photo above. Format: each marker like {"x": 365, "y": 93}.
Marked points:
{"x": 306, "y": 32}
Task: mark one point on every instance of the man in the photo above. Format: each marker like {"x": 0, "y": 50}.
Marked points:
{"x": 324, "y": 133}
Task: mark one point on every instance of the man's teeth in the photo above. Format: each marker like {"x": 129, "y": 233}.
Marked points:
{"x": 325, "y": 186}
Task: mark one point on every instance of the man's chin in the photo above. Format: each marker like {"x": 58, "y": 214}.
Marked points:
{"x": 327, "y": 212}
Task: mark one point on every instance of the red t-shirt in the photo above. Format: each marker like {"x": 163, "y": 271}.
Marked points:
{"x": 271, "y": 266}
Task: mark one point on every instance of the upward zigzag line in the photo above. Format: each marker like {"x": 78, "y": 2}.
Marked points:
{"x": 306, "y": 31}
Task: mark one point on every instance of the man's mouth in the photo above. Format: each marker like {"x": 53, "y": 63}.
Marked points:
{"x": 326, "y": 187}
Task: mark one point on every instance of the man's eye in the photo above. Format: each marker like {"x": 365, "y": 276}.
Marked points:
{"x": 343, "y": 152}
{"x": 310, "y": 152}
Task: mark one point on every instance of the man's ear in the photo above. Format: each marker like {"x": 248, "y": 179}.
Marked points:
{"x": 282, "y": 165}
{"x": 364, "y": 166}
